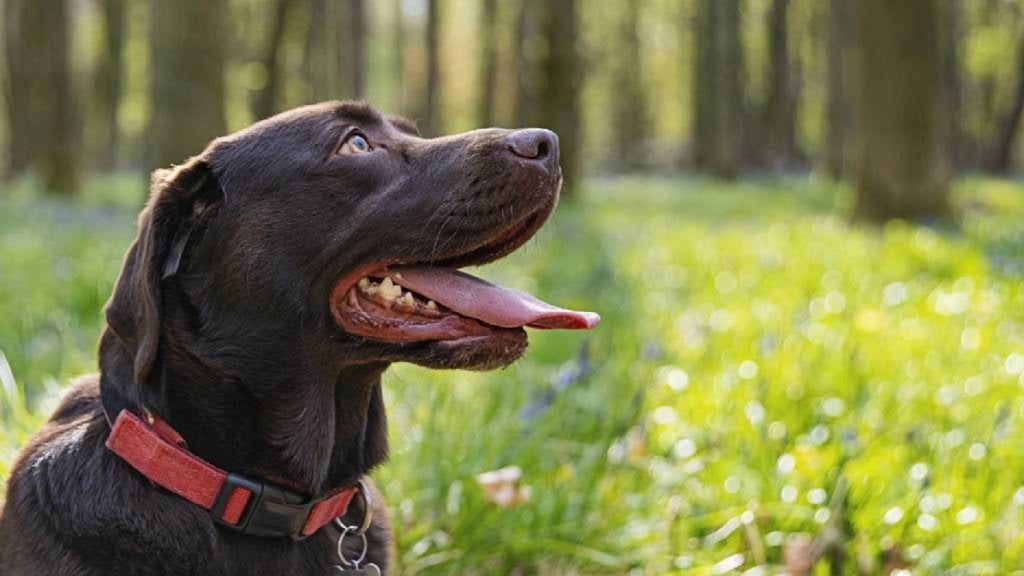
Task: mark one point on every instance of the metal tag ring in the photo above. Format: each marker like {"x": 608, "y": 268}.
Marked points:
{"x": 341, "y": 548}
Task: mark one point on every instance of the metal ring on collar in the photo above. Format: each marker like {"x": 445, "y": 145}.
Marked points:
{"x": 363, "y": 491}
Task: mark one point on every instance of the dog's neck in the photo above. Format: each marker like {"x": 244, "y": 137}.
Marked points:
{"x": 310, "y": 427}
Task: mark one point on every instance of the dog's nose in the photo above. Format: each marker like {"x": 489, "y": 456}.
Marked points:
{"x": 537, "y": 145}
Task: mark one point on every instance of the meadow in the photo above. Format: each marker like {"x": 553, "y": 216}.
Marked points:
{"x": 767, "y": 382}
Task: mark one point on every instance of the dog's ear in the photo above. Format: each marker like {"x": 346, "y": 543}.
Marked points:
{"x": 182, "y": 201}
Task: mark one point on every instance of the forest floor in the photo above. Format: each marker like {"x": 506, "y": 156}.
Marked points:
{"x": 764, "y": 374}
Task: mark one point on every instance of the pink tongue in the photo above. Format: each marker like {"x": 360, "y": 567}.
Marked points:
{"x": 498, "y": 306}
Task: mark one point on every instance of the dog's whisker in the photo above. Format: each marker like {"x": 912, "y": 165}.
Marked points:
{"x": 434, "y": 249}
{"x": 454, "y": 233}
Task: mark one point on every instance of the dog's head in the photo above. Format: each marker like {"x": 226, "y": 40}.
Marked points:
{"x": 335, "y": 233}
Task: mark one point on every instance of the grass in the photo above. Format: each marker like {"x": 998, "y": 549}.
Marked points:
{"x": 764, "y": 375}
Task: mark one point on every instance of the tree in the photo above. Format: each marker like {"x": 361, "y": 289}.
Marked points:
{"x": 718, "y": 94}
{"x": 336, "y": 50}
{"x": 561, "y": 73}
{"x": 840, "y": 100}
{"x": 528, "y": 77}
{"x": 630, "y": 102}
{"x": 109, "y": 81}
{"x": 952, "y": 78}
{"x": 187, "y": 40}
{"x": 41, "y": 109}
{"x": 358, "y": 24}
{"x": 398, "y": 38}
{"x": 783, "y": 91}
{"x": 1009, "y": 123}
{"x": 488, "y": 62}
{"x": 431, "y": 111}
{"x": 904, "y": 168}
{"x": 265, "y": 101}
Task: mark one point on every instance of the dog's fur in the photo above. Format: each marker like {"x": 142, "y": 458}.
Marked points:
{"x": 221, "y": 323}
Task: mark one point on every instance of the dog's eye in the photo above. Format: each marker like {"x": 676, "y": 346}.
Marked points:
{"x": 355, "y": 144}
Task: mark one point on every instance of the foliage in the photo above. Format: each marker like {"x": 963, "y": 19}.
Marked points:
{"x": 757, "y": 358}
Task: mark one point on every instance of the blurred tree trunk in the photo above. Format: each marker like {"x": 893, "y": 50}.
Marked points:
{"x": 783, "y": 91}
{"x": 630, "y": 101}
{"x": 703, "y": 84}
{"x": 527, "y": 93}
{"x": 836, "y": 100}
{"x": 488, "y": 62}
{"x": 320, "y": 53}
{"x": 41, "y": 109}
{"x": 982, "y": 93}
{"x": 187, "y": 49}
{"x": 1009, "y": 124}
{"x": 904, "y": 169}
{"x": 952, "y": 78}
{"x": 109, "y": 80}
{"x": 843, "y": 99}
{"x": 431, "y": 112}
{"x": 398, "y": 39}
{"x": 335, "y": 50}
{"x": 561, "y": 72}
{"x": 357, "y": 20}
{"x": 719, "y": 97}
{"x": 265, "y": 101}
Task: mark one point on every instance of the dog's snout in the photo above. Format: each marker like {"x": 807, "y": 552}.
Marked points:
{"x": 537, "y": 145}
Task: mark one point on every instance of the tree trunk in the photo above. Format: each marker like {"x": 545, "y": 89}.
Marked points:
{"x": 719, "y": 97}
{"x": 952, "y": 79}
{"x": 527, "y": 108}
{"x": 837, "y": 104}
{"x": 186, "y": 78}
{"x": 357, "y": 20}
{"x": 780, "y": 110}
{"x": 265, "y": 101}
{"x": 984, "y": 100}
{"x": 488, "y": 62}
{"x": 431, "y": 112}
{"x": 704, "y": 80}
{"x": 398, "y": 39}
{"x": 1009, "y": 124}
{"x": 41, "y": 108}
{"x": 330, "y": 51}
{"x": 630, "y": 102}
{"x": 109, "y": 80}
{"x": 729, "y": 110}
{"x": 904, "y": 169}
{"x": 561, "y": 108}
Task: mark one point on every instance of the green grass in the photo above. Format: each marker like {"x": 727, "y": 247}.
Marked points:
{"x": 763, "y": 372}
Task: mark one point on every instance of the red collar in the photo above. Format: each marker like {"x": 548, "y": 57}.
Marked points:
{"x": 242, "y": 504}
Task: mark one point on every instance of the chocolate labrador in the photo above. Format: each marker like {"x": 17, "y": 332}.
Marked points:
{"x": 274, "y": 278}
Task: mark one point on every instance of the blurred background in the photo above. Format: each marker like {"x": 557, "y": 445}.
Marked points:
{"x": 802, "y": 222}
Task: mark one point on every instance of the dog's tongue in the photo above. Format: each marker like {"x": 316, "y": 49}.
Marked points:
{"x": 496, "y": 305}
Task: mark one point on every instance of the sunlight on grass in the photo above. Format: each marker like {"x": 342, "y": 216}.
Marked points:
{"x": 764, "y": 373}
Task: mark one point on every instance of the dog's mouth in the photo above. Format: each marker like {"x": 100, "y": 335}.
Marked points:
{"x": 421, "y": 301}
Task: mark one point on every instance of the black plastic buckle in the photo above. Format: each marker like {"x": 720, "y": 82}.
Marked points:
{"x": 271, "y": 511}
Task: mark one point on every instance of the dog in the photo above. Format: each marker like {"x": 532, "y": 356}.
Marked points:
{"x": 273, "y": 280}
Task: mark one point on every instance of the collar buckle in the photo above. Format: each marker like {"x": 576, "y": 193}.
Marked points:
{"x": 271, "y": 511}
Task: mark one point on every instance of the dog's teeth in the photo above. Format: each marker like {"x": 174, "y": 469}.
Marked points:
{"x": 364, "y": 284}
{"x": 431, "y": 305}
{"x": 389, "y": 289}
{"x": 407, "y": 299}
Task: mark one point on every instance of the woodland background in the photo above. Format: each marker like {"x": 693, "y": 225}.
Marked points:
{"x": 801, "y": 220}
{"x": 725, "y": 87}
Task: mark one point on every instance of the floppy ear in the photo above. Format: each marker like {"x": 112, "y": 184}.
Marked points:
{"x": 181, "y": 202}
